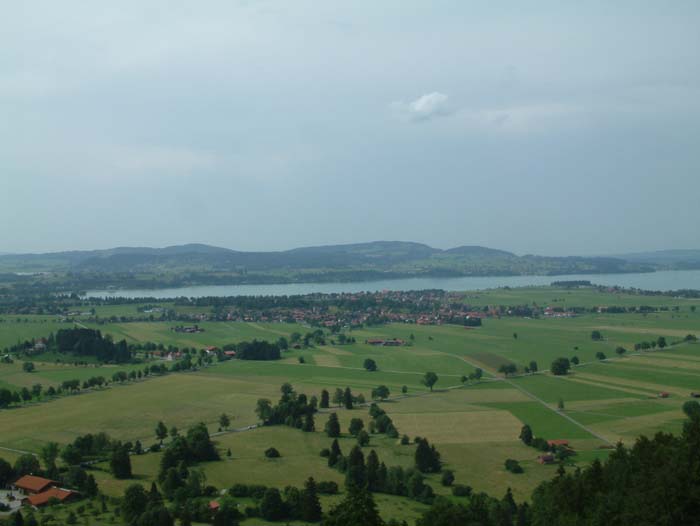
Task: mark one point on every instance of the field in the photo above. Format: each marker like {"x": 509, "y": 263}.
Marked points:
{"x": 475, "y": 426}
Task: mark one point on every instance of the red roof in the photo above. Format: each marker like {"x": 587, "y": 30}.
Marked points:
{"x": 558, "y": 442}
{"x": 34, "y": 484}
{"x": 213, "y": 505}
{"x": 43, "y": 498}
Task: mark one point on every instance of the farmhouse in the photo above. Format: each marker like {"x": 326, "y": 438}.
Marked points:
{"x": 31, "y": 485}
{"x": 558, "y": 443}
{"x": 188, "y": 330}
{"x": 394, "y": 342}
{"x": 43, "y": 498}
{"x": 39, "y": 491}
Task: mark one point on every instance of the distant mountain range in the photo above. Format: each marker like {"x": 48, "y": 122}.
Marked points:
{"x": 359, "y": 261}
{"x": 689, "y": 258}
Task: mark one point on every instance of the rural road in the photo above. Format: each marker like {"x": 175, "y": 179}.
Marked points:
{"x": 18, "y": 451}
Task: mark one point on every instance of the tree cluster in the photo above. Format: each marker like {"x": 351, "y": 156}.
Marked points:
{"x": 184, "y": 451}
{"x": 257, "y": 350}
{"x": 374, "y": 475}
{"x": 290, "y": 504}
{"x": 381, "y": 422}
{"x": 656, "y": 481}
{"x": 294, "y": 410}
{"x": 89, "y": 342}
{"x": 560, "y": 366}
{"x": 427, "y": 458}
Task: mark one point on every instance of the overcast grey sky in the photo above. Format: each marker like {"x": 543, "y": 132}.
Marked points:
{"x": 567, "y": 128}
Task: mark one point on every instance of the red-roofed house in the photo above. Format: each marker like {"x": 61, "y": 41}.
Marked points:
{"x": 214, "y": 506}
{"x": 30, "y": 485}
{"x": 560, "y": 442}
{"x": 43, "y": 498}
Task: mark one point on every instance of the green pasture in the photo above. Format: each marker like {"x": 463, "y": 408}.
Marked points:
{"x": 568, "y": 298}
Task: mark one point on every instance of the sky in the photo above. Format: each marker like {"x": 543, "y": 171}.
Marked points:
{"x": 556, "y": 128}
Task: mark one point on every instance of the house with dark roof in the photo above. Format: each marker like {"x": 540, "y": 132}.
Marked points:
{"x": 546, "y": 459}
{"x": 558, "y": 442}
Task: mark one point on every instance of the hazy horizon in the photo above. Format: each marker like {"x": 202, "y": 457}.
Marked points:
{"x": 261, "y": 126}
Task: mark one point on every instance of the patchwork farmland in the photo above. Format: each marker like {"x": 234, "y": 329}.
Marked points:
{"x": 475, "y": 425}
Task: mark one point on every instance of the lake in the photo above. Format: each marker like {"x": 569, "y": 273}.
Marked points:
{"x": 665, "y": 280}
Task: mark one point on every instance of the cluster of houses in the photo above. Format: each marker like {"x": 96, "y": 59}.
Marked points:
{"x": 38, "y": 491}
{"x": 393, "y": 342}
{"x": 356, "y": 309}
{"x": 550, "y": 312}
{"x": 549, "y": 458}
{"x": 328, "y": 319}
{"x": 194, "y": 329}
{"x": 171, "y": 356}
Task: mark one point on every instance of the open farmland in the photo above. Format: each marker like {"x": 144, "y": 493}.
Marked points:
{"x": 475, "y": 426}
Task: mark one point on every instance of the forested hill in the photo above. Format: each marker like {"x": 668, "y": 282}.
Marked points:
{"x": 379, "y": 259}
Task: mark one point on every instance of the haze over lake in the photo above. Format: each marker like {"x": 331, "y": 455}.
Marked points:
{"x": 662, "y": 280}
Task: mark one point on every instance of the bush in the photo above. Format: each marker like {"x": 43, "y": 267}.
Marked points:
{"x": 238, "y": 490}
{"x": 540, "y": 443}
{"x": 272, "y": 453}
{"x": 251, "y": 511}
{"x": 255, "y": 491}
{"x": 325, "y": 452}
{"x": 327, "y": 487}
{"x": 448, "y": 477}
{"x": 513, "y": 466}
{"x": 460, "y": 490}
{"x": 560, "y": 366}
{"x": 363, "y": 438}
{"x": 391, "y": 431}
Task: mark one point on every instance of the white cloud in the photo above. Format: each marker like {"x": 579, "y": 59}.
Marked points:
{"x": 424, "y": 108}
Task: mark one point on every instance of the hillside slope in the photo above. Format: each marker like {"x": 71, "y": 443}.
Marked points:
{"x": 351, "y": 261}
